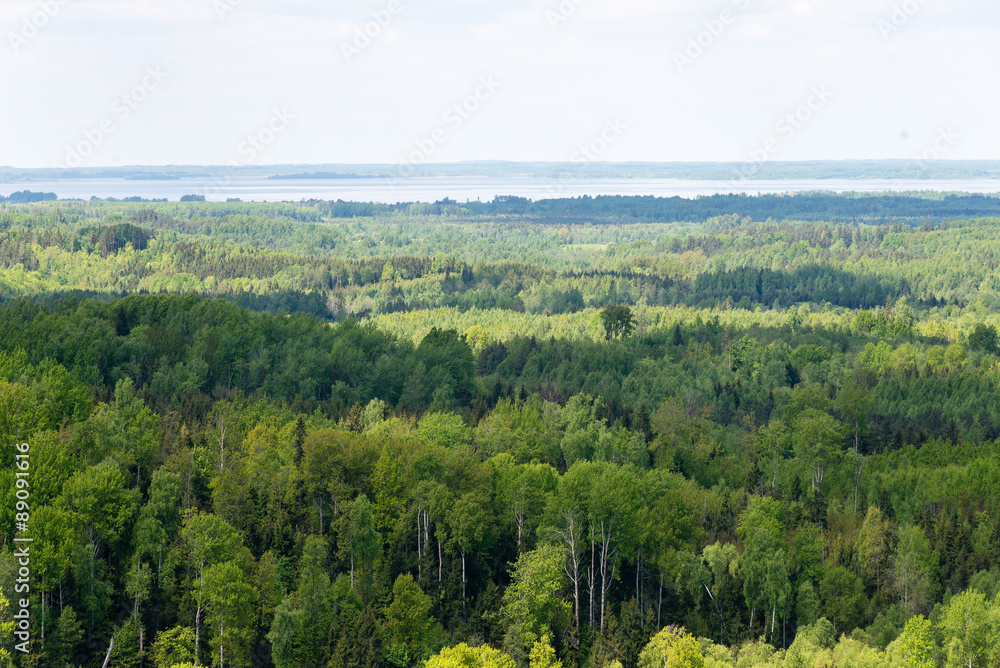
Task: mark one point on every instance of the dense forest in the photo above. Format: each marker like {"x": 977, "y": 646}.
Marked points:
{"x": 444, "y": 435}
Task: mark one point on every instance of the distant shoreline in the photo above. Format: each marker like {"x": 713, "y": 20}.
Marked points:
{"x": 688, "y": 171}
{"x": 327, "y": 175}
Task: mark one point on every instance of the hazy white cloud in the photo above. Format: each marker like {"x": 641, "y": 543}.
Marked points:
{"x": 751, "y": 61}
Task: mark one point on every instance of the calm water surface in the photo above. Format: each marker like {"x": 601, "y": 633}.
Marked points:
{"x": 462, "y": 189}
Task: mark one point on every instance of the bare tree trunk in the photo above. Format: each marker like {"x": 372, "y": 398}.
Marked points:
{"x": 107, "y": 659}
{"x": 44, "y": 594}
{"x": 197, "y": 628}
{"x": 722, "y": 622}
{"x": 571, "y": 566}
{"x": 591, "y": 578}
{"x": 638, "y": 567}
{"x": 858, "y": 466}
{"x": 607, "y": 555}
{"x": 659, "y": 601}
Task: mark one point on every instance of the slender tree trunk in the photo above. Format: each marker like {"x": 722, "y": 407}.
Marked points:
{"x": 463, "y": 581}
{"x": 571, "y": 566}
{"x": 197, "y": 633}
{"x": 44, "y": 594}
{"x": 638, "y": 567}
{"x": 319, "y": 506}
{"x": 659, "y": 601}
{"x": 107, "y": 659}
{"x": 774, "y": 479}
{"x": 420, "y": 554}
{"x": 857, "y": 462}
{"x": 591, "y": 578}
{"x": 722, "y": 622}
{"x": 607, "y": 556}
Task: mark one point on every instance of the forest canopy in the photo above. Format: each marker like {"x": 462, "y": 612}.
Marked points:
{"x": 442, "y": 435}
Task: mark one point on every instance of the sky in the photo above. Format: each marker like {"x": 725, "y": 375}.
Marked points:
{"x": 241, "y": 82}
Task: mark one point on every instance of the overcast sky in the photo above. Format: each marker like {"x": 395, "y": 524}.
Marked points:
{"x": 533, "y": 80}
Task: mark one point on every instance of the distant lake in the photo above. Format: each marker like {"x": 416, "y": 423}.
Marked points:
{"x": 462, "y": 189}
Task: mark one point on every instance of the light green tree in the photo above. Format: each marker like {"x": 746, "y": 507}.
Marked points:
{"x": 914, "y": 571}
{"x": 467, "y": 523}
{"x": 874, "y": 546}
{"x": 285, "y": 627}
{"x": 532, "y": 597}
{"x": 766, "y": 585}
{"x": 173, "y": 646}
{"x": 463, "y": 656}
{"x": 209, "y": 540}
{"x": 359, "y": 541}
{"x": 817, "y": 439}
{"x": 969, "y": 630}
{"x": 542, "y": 655}
{"x": 914, "y": 648}
{"x": 232, "y": 604}
{"x": 672, "y": 648}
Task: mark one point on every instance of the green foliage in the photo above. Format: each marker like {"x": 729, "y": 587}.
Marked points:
{"x": 543, "y": 656}
{"x": 173, "y": 646}
{"x": 408, "y": 619}
{"x": 802, "y": 428}
{"x": 672, "y": 647}
{"x": 231, "y": 602}
{"x": 968, "y": 624}
{"x": 983, "y": 337}
{"x": 463, "y": 656}
{"x": 7, "y": 629}
{"x": 914, "y": 648}
{"x": 531, "y": 602}
{"x": 617, "y": 321}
